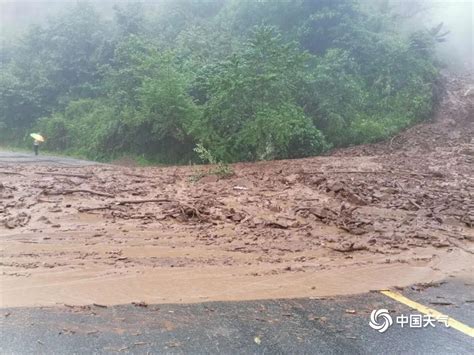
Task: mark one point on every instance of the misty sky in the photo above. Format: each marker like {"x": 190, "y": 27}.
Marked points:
{"x": 457, "y": 16}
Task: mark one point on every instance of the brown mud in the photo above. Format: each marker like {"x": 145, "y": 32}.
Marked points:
{"x": 369, "y": 217}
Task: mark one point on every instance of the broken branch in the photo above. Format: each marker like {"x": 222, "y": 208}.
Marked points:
{"x": 349, "y": 248}
{"x": 10, "y": 173}
{"x": 69, "y": 192}
{"x": 81, "y": 176}
{"x": 129, "y": 202}
{"x": 89, "y": 209}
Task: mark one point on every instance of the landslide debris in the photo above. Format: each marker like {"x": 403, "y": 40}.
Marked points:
{"x": 373, "y": 204}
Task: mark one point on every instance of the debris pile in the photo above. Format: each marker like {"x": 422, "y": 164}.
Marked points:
{"x": 378, "y": 201}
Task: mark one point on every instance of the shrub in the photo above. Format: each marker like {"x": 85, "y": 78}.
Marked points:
{"x": 219, "y": 168}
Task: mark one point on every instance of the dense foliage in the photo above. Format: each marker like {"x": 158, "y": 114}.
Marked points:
{"x": 247, "y": 80}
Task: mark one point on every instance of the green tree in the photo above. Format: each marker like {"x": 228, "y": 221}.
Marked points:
{"x": 52, "y": 64}
{"x": 246, "y": 91}
{"x": 248, "y": 80}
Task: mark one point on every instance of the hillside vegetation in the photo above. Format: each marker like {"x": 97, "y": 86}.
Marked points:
{"x": 246, "y": 80}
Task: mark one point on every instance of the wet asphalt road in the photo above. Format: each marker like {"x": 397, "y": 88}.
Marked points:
{"x": 12, "y": 158}
{"x": 337, "y": 325}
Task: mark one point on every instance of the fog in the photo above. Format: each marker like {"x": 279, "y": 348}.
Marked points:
{"x": 457, "y": 17}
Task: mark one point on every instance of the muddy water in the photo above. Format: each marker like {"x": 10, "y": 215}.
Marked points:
{"x": 78, "y": 269}
{"x": 95, "y": 281}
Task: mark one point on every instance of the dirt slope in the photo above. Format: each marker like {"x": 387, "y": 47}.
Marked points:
{"x": 364, "y": 218}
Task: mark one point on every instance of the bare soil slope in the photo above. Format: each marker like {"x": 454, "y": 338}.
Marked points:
{"x": 368, "y": 217}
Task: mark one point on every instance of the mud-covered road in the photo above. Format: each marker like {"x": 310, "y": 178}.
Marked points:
{"x": 327, "y": 325}
{"x": 370, "y": 217}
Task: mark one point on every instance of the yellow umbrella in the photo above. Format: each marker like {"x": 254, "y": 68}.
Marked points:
{"x": 37, "y": 136}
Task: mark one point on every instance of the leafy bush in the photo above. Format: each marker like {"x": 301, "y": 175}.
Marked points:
{"x": 283, "y": 132}
{"x": 219, "y": 168}
{"x": 85, "y": 127}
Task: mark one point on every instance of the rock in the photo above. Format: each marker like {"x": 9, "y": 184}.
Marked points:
{"x": 335, "y": 186}
{"x": 317, "y": 180}
{"x": 243, "y": 182}
{"x": 322, "y": 212}
{"x": 380, "y": 196}
{"x": 209, "y": 179}
{"x": 450, "y": 122}
{"x": 19, "y": 220}
{"x": 442, "y": 244}
{"x": 468, "y": 220}
{"x": 354, "y": 199}
{"x": 467, "y": 151}
{"x": 372, "y": 241}
{"x": 237, "y": 217}
{"x": 55, "y": 209}
{"x": 454, "y": 135}
{"x": 291, "y": 179}
{"x": 274, "y": 208}
{"x": 10, "y": 223}
{"x": 44, "y": 219}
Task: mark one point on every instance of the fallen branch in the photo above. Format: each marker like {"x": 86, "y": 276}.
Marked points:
{"x": 154, "y": 200}
{"x": 349, "y": 249}
{"x": 40, "y": 200}
{"x": 69, "y": 192}
{"x": 89, "y": 209}
{"x": 368, "y": 172}
{"x": 391, "y": 141}
{"x": 188, "y": 212}
{"x": 345, "y": 172}
{"x": 81, "y": 176}
{"x": 137, "y": 175}
{"x": 122, "y": 203}
{"x": 441, "y": 303}
{"x": 321, "y": 213}
{"x": 276, "y": 225}
{"x": 10, "y": 173}
{"x": 414, "y": 203}
{"x": 3, "y": 186}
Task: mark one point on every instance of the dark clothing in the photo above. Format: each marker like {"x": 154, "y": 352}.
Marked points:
{"x": 36, "y": 148}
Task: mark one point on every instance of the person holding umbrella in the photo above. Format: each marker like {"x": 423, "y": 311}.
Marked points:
{"x": 38, "y": 138}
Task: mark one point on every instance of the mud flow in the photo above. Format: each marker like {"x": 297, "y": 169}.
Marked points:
{"x": 368, "y": 217}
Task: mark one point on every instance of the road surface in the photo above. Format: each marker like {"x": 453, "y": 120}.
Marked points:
{"x": 26, "y": 158}
{"x": 336, "y": 325}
